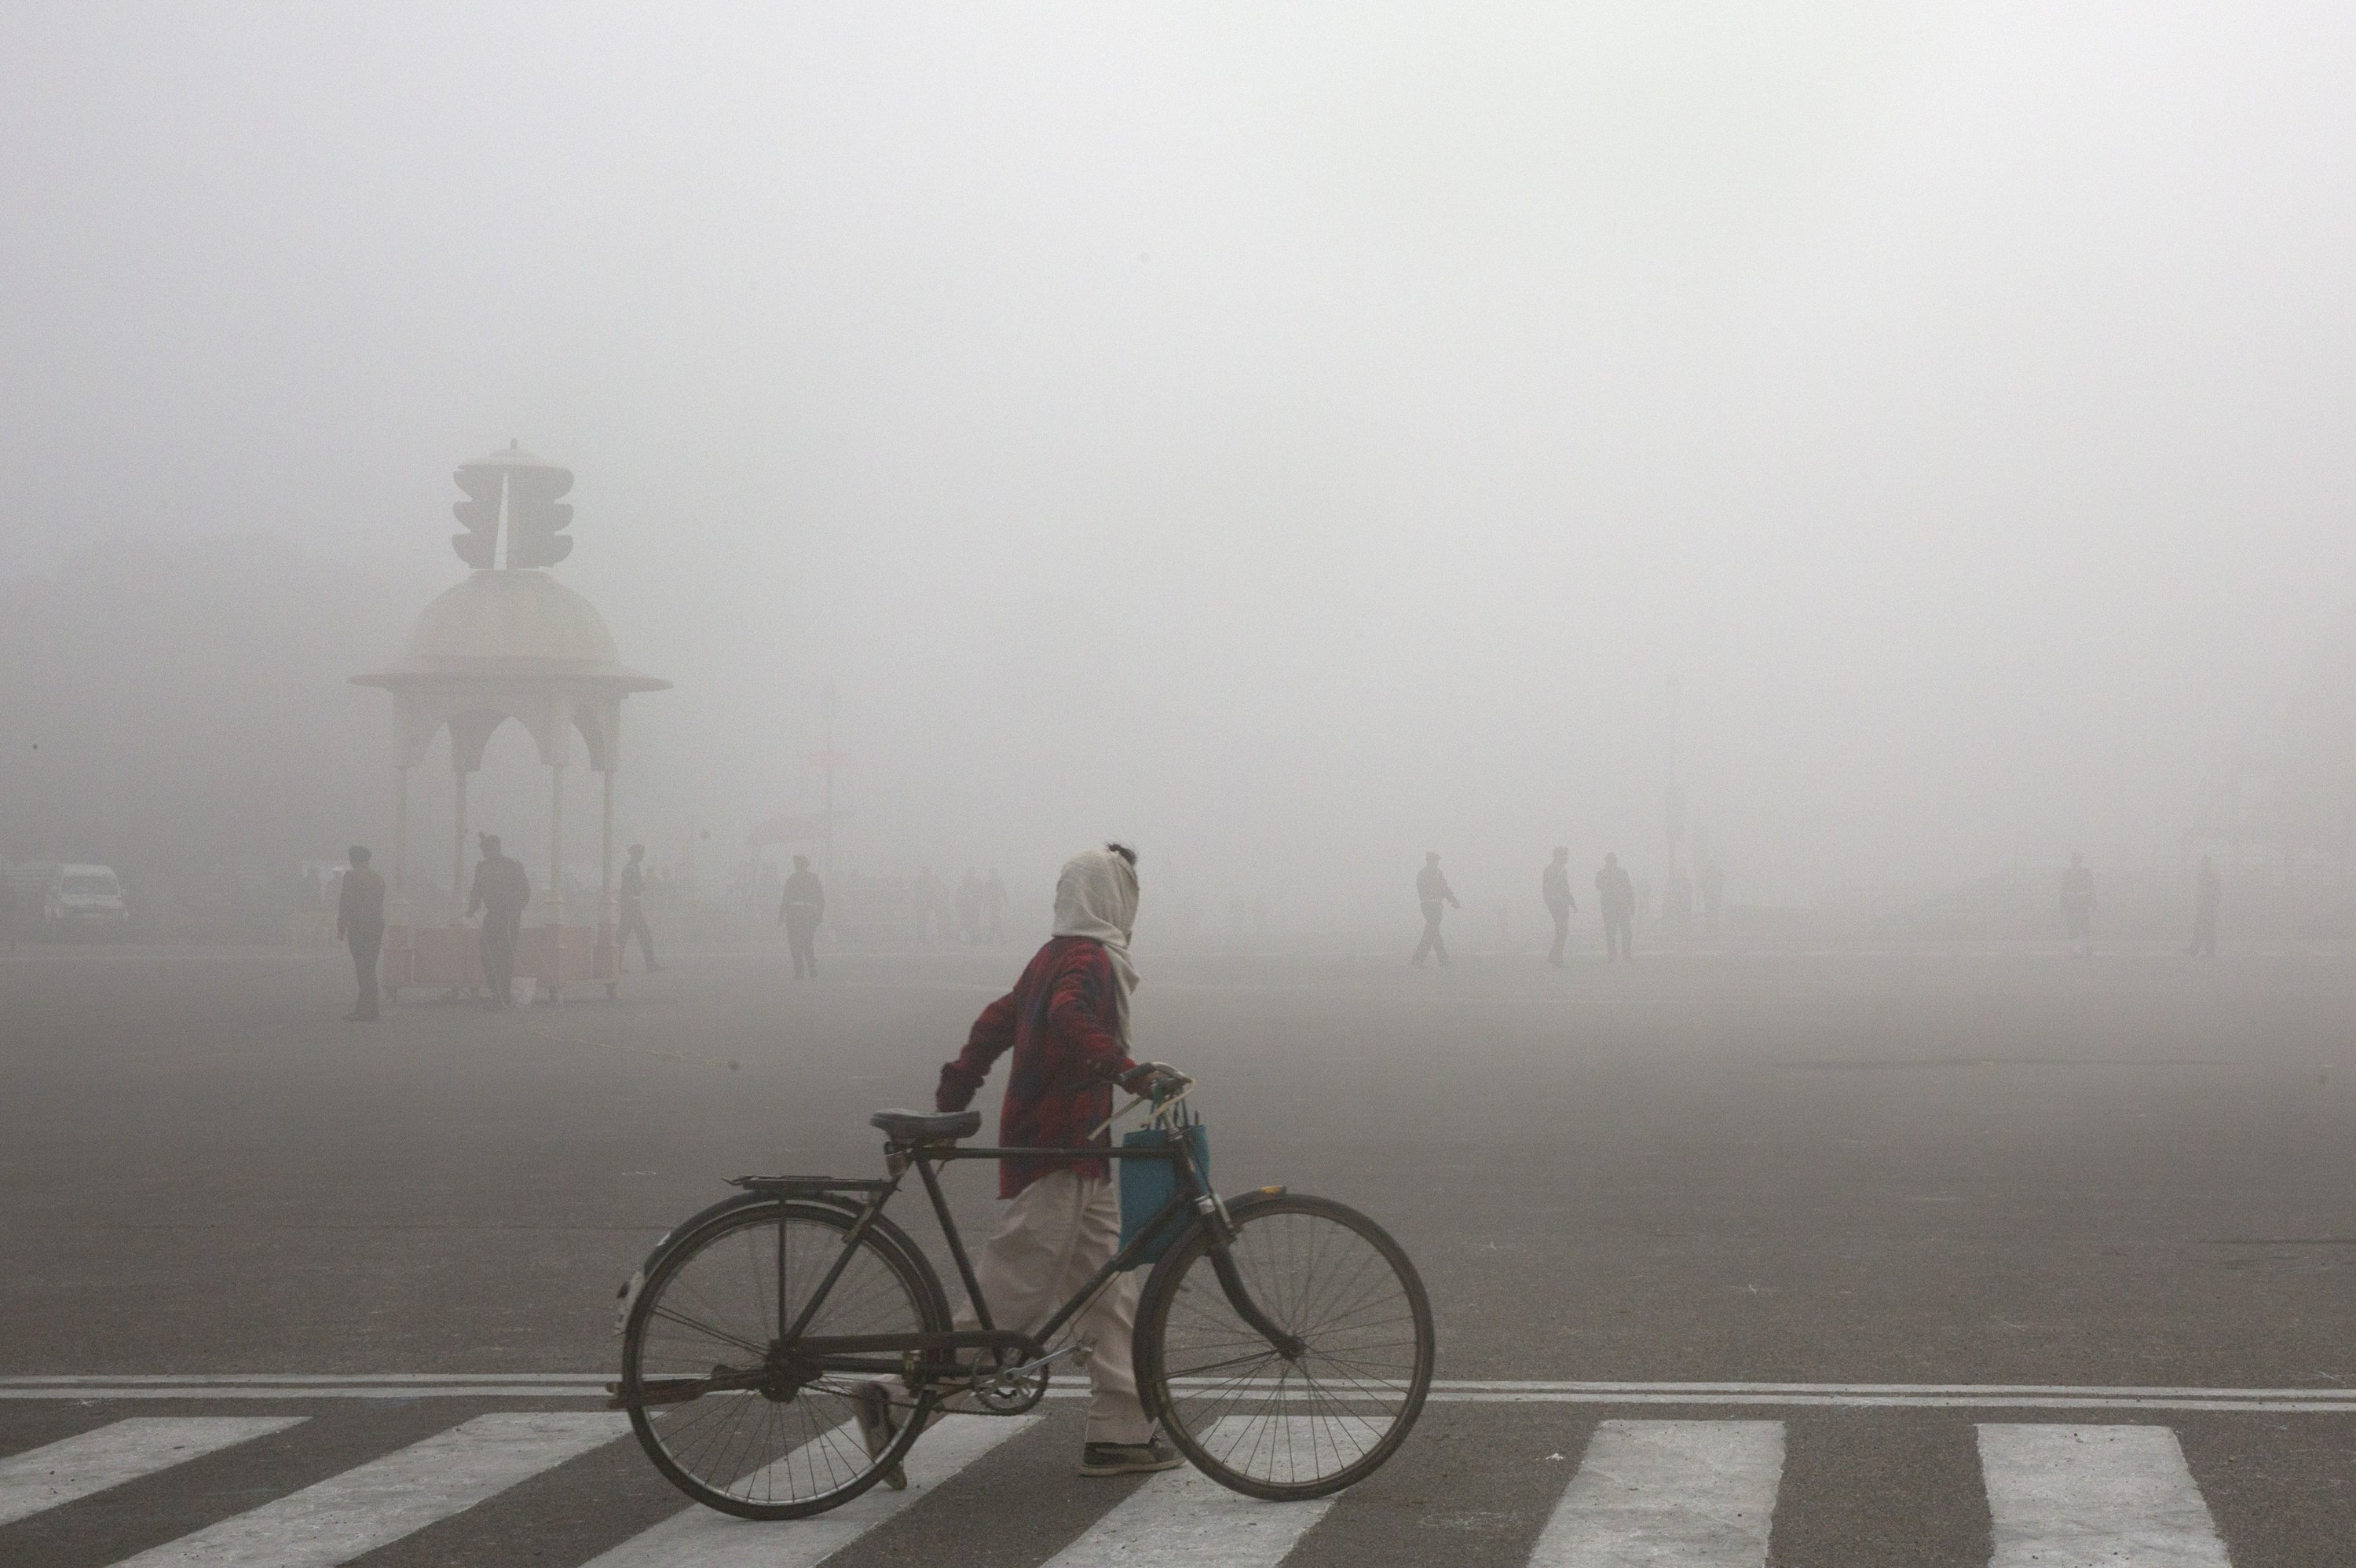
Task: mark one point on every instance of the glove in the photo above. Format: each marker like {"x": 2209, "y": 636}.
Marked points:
{"x": 954, "y": 1094}
{"x": 1153, "y": 1080}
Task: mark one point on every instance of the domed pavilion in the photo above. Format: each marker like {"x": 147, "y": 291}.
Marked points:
{"x": 508, "y": 643}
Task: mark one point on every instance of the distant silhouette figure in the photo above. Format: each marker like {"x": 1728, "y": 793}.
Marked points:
{"x": 2209, "y": 896}
{"x": 1431, "y": 890}
{"x": 634, "y": 911}
{"x": 993, "y": 906}
{"x": 969, "y": 908}
{"x": 1554, "y": 886}
{"x": 1713, "y": 893}
{"x": 2078, "y": 905}
{"x": 800, "y": 911}
{"x": 1617, "y": 897}
{"x": 502, "y": 892}
{"x": 359, "y": 923}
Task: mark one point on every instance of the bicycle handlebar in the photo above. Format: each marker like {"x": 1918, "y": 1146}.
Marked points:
{"x": 1164, "y": 1075}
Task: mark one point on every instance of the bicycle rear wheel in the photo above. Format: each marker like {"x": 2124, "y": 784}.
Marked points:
{"x": 713, "y": 1306}
{"x": 1248, "y": 1417}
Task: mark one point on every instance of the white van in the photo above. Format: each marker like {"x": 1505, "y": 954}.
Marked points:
{"x": 84, "y": 898}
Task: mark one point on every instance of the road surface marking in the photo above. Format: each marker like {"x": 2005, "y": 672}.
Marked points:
{"x": 76, "y": 1467}
{"x": 291, "y": 1386}
{"x": 705, "y": 1538}
{"x": 1182, "y": 1517}
{"x": 384, "y": 1499}
{"x": 2094, "y": 1496}
{"x": 1698, "y": 1494}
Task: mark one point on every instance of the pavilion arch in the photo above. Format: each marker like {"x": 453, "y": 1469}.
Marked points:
{"x": 503, "y": 644}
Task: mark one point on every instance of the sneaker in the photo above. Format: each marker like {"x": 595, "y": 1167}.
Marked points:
{"x": 1128, "y": 1458}
{"x": 877, "y": 1429}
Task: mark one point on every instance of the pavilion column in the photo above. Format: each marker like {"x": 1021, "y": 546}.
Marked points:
{"x": 556, "y": 845}
{"x": 606, "y": 916}
{"x": 400, "y": 847}
{"x": 458, "y": 850}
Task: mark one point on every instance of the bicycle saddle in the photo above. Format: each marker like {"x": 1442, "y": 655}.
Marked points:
{"x": 926, "y": 1126}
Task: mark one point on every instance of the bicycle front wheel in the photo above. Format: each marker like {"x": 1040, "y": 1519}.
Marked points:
{"x": 699, "y": 1341}
{"x": 1251, "y": 1418}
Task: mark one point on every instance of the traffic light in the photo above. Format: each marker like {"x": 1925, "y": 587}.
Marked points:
{"x": 535, "y": 516}
{"x": 480, "y": 513}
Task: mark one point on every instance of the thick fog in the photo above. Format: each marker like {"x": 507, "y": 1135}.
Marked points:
{"x": 1289, "y": 438}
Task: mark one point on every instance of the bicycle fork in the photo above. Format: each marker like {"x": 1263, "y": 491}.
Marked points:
{"x": 1222, "y": 1227}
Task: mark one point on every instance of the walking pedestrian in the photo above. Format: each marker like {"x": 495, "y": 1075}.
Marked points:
{"x": 359, "y": 924}
{"x": 1431, "y": 890}
{"x": 2206, "y": 899}
{"x": 800, "y": 911}
{"x": 502, "y": 891}
{"x": 1616, "y": 895}
{"x": 1554, "y": 886}
{"x": 2078, "y": 905}
{"x": 1066, "y": 1023}
{"x": 1713, "y": 893}
{"x": 634, "y": 912}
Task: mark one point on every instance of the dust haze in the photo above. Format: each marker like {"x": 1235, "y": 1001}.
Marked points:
{"x": 1287, "y": 439}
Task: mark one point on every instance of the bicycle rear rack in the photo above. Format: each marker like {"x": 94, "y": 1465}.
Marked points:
{"x": 808, "y": 1186}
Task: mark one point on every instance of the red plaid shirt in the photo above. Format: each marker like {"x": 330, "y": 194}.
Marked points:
{"x": 1060, "y": 1022}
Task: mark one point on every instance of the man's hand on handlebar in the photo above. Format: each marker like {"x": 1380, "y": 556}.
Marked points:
{"x": 1155, "y": 1079}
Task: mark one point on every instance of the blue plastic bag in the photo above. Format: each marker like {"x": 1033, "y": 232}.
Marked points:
{"x": 1146, "y": 1185}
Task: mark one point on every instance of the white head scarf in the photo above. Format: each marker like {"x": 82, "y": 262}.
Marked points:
{"x": 1097, "y": 897}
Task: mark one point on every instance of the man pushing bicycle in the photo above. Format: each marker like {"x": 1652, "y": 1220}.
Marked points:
{"x": 1281, "y": 1343}
{"x": 1066, "y": 1023}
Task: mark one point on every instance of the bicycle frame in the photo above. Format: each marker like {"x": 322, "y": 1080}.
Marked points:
{"x": 1192, "y": 1204}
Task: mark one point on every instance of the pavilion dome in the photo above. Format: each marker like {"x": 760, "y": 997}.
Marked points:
{"x": 510, "y": 618}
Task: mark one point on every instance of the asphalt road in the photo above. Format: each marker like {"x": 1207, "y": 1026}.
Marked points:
{"x": 2004, "y": 1172}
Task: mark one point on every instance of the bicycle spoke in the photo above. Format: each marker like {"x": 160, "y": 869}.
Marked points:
{"x": 721, "y": 1303}
{"x": 722, "y": 1335}
{"x": 1260, "y": 1360}
{"x": 1305, "y": 1425}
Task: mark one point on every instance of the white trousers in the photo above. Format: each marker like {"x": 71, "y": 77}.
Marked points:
{"x": 1053, "y": 1236}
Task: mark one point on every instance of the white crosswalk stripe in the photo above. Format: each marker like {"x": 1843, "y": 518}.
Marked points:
{"x": 76, "y": 1467}
{"x": 703, "y": 1537}
{"x": 1698, "y": 1494}
{"x": 2094, "y": 1496}
{"x": 1691, "y": 1493}
{"x": 1183, "y": 1517}
{"x": 384, "y": 1499}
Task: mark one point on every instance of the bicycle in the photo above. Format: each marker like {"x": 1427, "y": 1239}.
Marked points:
{"x": 1283, "y": 1343}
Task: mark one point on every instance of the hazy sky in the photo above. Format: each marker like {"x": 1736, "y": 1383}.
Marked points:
{"x": 1294, "y": 436}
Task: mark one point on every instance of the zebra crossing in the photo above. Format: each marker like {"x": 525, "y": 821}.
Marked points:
{"x": 702, "y": 1538}
{"x": 2075, "y": 1494}
{"x": 381, "y": 1501}
{"x": 1696, "y": 1492}
{"x": 1690, "y": 1491}
{"x": 95, "y": 1461}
